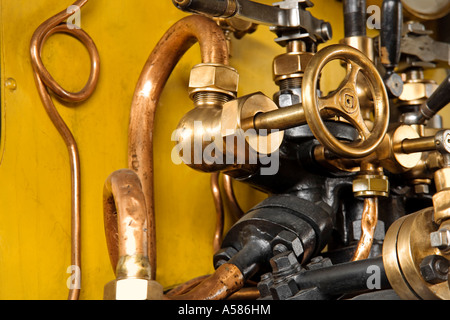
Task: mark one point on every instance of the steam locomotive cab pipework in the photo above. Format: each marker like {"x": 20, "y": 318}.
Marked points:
{"x": 350, "y": 161}
{"x": 356, "y": 176}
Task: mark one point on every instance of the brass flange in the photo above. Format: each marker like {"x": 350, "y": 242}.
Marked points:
{"x": 406, "y": 245}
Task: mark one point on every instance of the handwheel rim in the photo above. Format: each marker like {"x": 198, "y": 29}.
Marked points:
{"x": 312, "y": 112}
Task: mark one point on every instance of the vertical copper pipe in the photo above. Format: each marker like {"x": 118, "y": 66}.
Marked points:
{"x": 172, "y": 46}
{"x": 368, "y": 224}
{"x": 126, "y": 225}
{"x": 231, "y": 198}
{"x": 45, "y": 81}
{"x": 218, "y": 204}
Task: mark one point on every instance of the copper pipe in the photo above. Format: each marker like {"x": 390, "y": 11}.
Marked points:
{"x": 218, "y": 204}
{"x": 225, "y": 281}
{"x": 231, "y": 198}
{"x": 174, "y": 43}
{"x": 368, "y": 224}
{"x": 45, "y": 81}
{"x": 249, "y": 293}
{"x": 125, "y": 219}
{"x": 187, "y": 286}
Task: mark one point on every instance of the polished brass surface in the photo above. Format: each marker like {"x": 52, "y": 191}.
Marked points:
{"x": 442, "y": 179}
{"x": 409, "y": 145}
{"x": 46, "y": 84}
{"x": 290, "y": 65}
{"x": 344, "y": 101}
{"x": 174, "y": 43}
{"x": 133, "y": 289}
{"x": 423, "y": 10}
{"x": 362, "y": 43}
{"x": 395, "y": 161}
{"x": 280, "y": 119}
{"x": 371, "y": 185}
{"x": 407, "y": 243}
{"x": 209, "y": 77}
{"x": 441, "y": 199}
{"x": 246, "y": 108}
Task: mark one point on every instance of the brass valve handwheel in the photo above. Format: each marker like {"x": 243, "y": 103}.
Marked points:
{"x": 344, "y": 101}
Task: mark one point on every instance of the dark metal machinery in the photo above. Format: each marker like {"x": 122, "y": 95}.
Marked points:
{"x": 299, "y": 242}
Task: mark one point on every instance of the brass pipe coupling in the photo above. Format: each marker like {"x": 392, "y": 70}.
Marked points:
{"x": 210, "y": 137}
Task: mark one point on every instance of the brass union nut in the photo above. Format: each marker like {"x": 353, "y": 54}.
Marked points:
{"x": 133, "y": 289}
{"x": 289, "y": 64}
{"x": 417, "y": 90}
{"x": 209, "y": 77}
{"x": 371, "y": 185}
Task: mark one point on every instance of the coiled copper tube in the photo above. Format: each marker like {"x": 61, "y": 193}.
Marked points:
{"x": 174, "y": 43}
{"x": 368, "y": 224}
{"x": 43, "y": 81}
{"x": 218, "y": 204}
{"x": 125, "y": 219}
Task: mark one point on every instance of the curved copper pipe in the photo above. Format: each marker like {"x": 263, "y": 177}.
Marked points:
{"x": 174, "y": 43}
{"x": 43, "y": 81}
{"x": 231, "y": 198}
{"x": 218, "y": 204}
{"x": 368, "y": 224}
{"x": 249, "y": 293}
{"x": 125, "y": 217}
{"x": 225, "y": 281}
{"x": 187, "y": 286}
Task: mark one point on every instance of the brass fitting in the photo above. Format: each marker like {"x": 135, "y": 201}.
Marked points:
{"x": 392, "y": 158}
{"x": 406, "y": 247}
{"x": 133, "y": 281}
{"x": 290, "y": 65}
{"x": 133, "y": 289}
{"x": 416, "y": 89}
{"x": 215, "y": 78}
{"x": 367, "y": 185}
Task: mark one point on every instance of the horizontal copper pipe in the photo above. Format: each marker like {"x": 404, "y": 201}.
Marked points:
{"x": 45, "y": 81}
{"x": 125, "y": 220}
{"x": 172, "y": 46}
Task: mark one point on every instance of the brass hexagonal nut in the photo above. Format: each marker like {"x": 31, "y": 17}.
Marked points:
{"x": 289, "y": 64}
{"x": 209, "y": 77}
{"x": 133, "y": 289}
{"x": 417, "y": 90}
{"x": 371, "y": 185}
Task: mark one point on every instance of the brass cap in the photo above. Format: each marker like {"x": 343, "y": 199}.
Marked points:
{"x": 209, "y": 77}
{"x": 133, "y": 289}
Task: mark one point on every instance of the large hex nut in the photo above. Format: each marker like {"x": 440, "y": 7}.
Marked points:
{"x": 417, "y": 90}
{"x": 133, "y": 289}
{"x": 290, "y": 64}
{"x": 371, "y": 185}
{"x": 209, "y": 77}
{"x": 434, "y": 269}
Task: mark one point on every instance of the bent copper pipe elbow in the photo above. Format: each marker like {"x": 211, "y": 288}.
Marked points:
{"x": 172, "y": 46}
{"x": 126, "y": 225}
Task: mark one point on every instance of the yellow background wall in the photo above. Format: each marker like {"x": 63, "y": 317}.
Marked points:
{"x": 34, "y": 169}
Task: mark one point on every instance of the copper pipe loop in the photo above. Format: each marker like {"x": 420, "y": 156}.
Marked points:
{"x": 125, "y": 216}
{"x": 368, "y": 225}
{"x": 218, "y": 204}
{"x": 45, "y": 81}
{"x": 174, "y": 43}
